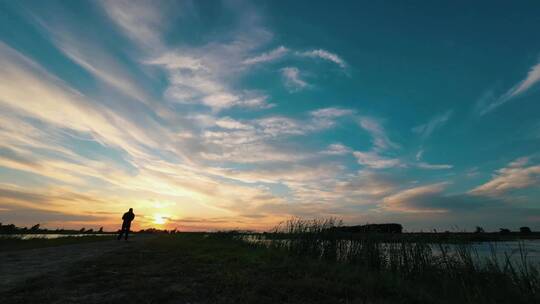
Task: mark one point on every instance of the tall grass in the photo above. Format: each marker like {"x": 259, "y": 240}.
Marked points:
{"x": 412, "y": 258}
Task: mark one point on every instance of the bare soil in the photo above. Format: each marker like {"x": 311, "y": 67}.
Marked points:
{"x": 18, "y": 266}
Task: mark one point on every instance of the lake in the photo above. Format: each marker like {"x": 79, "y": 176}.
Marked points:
{"x": 481, "y": 250}
{"x": 511, "y": 248}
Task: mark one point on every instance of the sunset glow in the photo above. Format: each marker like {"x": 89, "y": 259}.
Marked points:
{"x": 159, "y": 219}
{"x": 239, "y": 115}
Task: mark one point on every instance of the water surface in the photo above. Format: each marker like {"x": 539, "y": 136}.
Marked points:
{"x": 49, "y": 235}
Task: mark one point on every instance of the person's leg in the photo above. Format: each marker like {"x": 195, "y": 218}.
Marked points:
{"x": 122, "y": 231}
{"x": 127, "y": 232}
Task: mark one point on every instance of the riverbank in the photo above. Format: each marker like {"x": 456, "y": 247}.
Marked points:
{"x": 213, "y": 268}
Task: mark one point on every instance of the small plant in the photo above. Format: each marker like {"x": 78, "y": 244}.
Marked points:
{"x": 479, "y": 229}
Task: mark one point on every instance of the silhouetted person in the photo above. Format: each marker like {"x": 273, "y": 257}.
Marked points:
{"x": 126, "y": 224}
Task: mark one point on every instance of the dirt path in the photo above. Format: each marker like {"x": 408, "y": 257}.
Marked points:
{"x": 17, "y": 266}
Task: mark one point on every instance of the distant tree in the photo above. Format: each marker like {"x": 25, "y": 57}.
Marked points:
{"x": 370, "y": 228}
{"x": 82, "y": 230}
{"x": 504, "y": 230}
{"x": 35, "y": 227}
{"x": 8, "y": 228}
{"x": 479, "y": 230}
{"x": 525, "y": 230}
{"x": 89, "y": 230}
{"x": 100, "y": 230}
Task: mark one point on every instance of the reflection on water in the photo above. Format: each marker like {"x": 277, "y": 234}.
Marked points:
{"x": 48, "y": 235}
{"x": 481, "y": 252}
{"x": 512, "y": 249}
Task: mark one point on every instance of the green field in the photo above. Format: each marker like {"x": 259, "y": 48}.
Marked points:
{"x": 218, "y": 268}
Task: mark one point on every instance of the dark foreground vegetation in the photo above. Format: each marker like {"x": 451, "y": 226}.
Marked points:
{"x": 37, "y": 229}
{"x": 307, "y": 268}
{"x": 12, "y": 230}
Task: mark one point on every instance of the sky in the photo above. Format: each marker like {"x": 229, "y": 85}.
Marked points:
{"x": 208, "y": 115}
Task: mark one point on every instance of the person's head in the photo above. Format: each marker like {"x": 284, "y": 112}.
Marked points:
{"x": 131, "y": 210}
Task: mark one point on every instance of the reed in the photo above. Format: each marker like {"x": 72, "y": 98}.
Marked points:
{"x": 408, "y": 257}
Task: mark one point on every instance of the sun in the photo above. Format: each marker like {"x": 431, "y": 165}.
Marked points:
{"x": 159, "y": 219}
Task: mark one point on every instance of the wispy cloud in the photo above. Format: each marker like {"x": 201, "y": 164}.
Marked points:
{"x": 425, "y": 130}
{"x": 467, "y": 208}
{"x": 370, "y": 184}
{"x": 93, "y": 58}
{"x": 331, "y": 112}
{"x": 50, "y": 218}
{"x": 155, "y": 176}
{"x": 139, "y": 20}
{"x": 203, "y": 77}
{"x": 172, "y": 61}
{"x": 337, "y": 149}
{"x": 266, "y": 57}
{"x": 375, "y": 158}
{"x": 425, "y": 165}
{"x": 285, "y": 174}
{"x": 200, "y": 75}
{"x": 516, "y": 175}
{"x": 412, "y": 200}
{"x": 292, "y": 79}
{"x": 533, "y": 77}
{"x": 375, "y": 128}
{"x": 229, "y": 123}
{"x": 419, "y": 154}
{"x": 326, "y": 55}
{"x": 327, "y": 117}
{"x": 43, "y": 93}
{"x": 376, "y": 161}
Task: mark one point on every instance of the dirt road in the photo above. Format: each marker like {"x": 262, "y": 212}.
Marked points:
{"x": 17, "y": 266}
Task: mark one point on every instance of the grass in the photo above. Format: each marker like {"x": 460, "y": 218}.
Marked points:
{"x": 454, "y": 264}
{"x": 16, "y": 243}
{"x": 220, "y": 268}
{"x": 195, "y": 268}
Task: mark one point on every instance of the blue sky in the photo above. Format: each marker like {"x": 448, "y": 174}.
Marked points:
{"x": 232, "y": 114}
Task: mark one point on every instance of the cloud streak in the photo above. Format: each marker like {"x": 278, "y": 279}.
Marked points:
{"x": 516, "y": 175}
{"x": 380, "y": 139}
{"x": 425, "y": 130}
{"x": 292, "y": 79}
{"x": 376, "y": 161}
{"x": 532, "y": 78}
{"x": 326, "y": 55}
{"x": 267, "y": 57}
